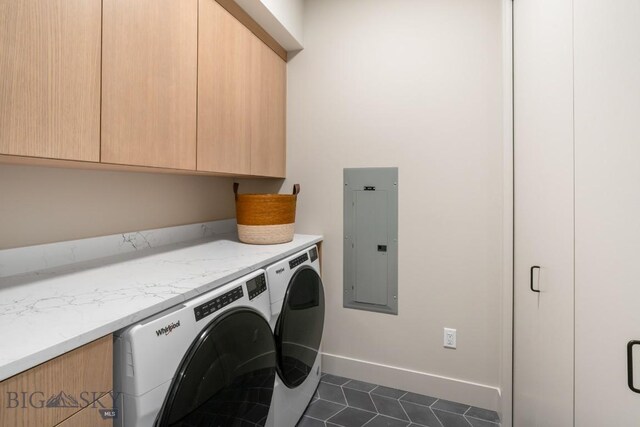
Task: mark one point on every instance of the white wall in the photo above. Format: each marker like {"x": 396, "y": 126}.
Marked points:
{"x": 417, "y": 85}
{"x": 43, "y": 205}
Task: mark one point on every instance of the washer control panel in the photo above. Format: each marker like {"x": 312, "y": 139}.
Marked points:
{"x": 298, "y": 260}
{"x": 215, "y": 304}
{"x": 256, "y": 286}
{"x": 313, "y": 253}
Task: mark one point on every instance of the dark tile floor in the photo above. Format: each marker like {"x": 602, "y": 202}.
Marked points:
{"x": 349, "y": 403}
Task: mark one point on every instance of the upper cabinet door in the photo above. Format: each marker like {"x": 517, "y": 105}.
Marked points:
{"x": 268, "y": 140}
{"x": 241, "y": 98}
{"x": 50, "y": 84}
{"x": 224, "y": 91}
{"x": 149, "y": 79}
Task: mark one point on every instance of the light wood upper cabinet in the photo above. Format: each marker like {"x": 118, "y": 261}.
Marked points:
{"x": 224, "y": 91}
{"x": 50, "y": 78}
{"x": 186, "y": 85}
{"x": 149, "y": 78}
{"x": 268, "y": 145}
{"x": 241, "y": 98}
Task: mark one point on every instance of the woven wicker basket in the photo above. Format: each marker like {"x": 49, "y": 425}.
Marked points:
{"x": 266, "y": 219}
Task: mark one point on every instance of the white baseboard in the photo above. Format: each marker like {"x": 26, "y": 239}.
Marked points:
{"x": 470, "y": 393}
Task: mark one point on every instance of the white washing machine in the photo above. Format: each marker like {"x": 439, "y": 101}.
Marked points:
{"x": 297, "y": 307}
{"x": 211, "y": 361}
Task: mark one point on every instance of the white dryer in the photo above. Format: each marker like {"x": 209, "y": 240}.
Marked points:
{"x": 297, "y": 307}
{"x": 209, "y": 362}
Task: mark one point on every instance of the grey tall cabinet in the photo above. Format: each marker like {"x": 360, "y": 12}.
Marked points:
{"x": 577, "y": 212}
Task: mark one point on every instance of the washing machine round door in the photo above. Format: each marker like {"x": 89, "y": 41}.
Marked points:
{"x": 226, "y": 378}
{"x": 298, "y": 331}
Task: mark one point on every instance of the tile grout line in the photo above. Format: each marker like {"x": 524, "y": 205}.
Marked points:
{"x": 409, "y": 420}
{"x": 404, "y": 410}
{"x": 467, "y": 421}
{"x": 374, "y": 417}
{"x": 371, "y": 393}
{"x": 373, "y": 401}
{"x": 313, "y": 418}
{"x": 437, "y": 418}
{"x": 454, "y": 413}
{"x": 376, "y": 386}
{"x": 359, "y": 409}
{"x": 344, "y": 395}
{"x": 337, "y": 413}
{"x": 482, "y": 419}
{"x": 370, "y": 412}
{"x": 357, "y": 389}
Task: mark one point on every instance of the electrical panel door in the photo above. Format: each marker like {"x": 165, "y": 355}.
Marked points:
{"x": 371, "y": 239}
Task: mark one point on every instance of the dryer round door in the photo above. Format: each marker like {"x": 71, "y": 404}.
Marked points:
{"x": 227, "y": 376}
{"x": 298, "y": 331}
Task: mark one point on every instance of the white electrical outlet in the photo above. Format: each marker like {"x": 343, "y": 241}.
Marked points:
{"x": 449, "y": 338}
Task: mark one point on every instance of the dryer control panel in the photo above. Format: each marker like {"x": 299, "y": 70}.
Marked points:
{"x": 298, "y": 260}
{"x": 313, "y": 253}
{"x": 215, "y": 304}
{"x": 256, "y": 286}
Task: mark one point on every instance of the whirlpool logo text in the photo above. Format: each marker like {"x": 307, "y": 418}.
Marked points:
{"x": 167, "y": 329}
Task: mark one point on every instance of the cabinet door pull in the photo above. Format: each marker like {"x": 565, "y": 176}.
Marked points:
{"x": 630, "y": 345}
{"x": 531, "y": 279}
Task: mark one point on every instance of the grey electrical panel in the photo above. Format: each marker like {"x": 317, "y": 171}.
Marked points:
{"x": 371, "y": 239}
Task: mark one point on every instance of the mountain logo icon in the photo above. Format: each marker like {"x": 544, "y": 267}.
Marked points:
{"x": 62, "y": 400}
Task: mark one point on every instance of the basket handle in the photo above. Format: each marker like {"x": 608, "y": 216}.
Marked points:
{"x": 296, "y": 189}
{"x": 235, "y": 189}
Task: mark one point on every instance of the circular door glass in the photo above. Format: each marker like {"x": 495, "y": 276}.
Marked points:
{"x": 299, "y": 328}
{"x": 227, "y": 376}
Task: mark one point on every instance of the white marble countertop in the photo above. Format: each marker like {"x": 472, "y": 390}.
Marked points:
{"x": 48, "y": 312}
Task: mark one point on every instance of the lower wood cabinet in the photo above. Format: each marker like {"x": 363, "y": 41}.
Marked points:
{"x": 91, "y": 415}
{"x": 62, "y": 390}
